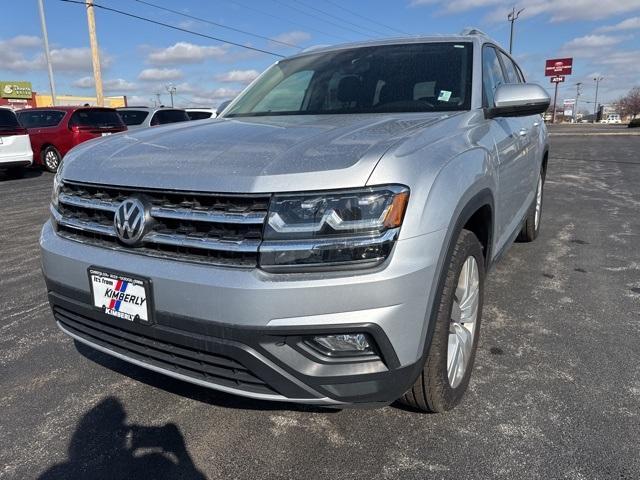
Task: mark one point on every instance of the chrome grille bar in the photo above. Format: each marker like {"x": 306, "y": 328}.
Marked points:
{"x": 94, "y": 204}
{"x": 250, "y": 218}
{"x": 82, "y": 225}
{"x": 243, "y": 246}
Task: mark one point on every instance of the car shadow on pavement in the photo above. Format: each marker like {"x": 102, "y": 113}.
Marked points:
{"x": 189, "y": 390}
{"x": 27, "y": 173}
{"x": 105, "y": 446}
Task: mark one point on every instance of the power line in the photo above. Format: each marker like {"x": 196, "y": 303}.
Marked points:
{"x": 306, "y": 27}
{"x": 330, "y": 15}
{"x": 356, "y": 14}
{"x": 203, "y": 20}
{"x": 317, "y": 17}
{"x": 127, "y": 14}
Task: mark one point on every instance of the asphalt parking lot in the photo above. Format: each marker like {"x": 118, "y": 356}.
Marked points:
{"x": 555, "y": 391}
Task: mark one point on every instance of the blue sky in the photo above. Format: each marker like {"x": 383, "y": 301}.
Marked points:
{"x": 140, "y": 59}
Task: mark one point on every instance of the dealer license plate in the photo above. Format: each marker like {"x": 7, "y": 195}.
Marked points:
{"x": 106, "y": 134}
{"x": 120, "y": 296}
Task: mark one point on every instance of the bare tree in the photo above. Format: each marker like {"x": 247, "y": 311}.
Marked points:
{"x": 630, "y": 103}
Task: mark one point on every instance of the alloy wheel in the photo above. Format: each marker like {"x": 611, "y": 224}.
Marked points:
{"x": 464, "y": 314}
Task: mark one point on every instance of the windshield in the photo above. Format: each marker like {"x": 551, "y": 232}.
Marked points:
{"x": 133, "y": 117}
{"x": 421, "y": 77}
{"x": 95, "y": 118}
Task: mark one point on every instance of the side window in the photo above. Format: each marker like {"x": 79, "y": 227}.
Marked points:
{"x": 510, "y": 69}
{"x": 492, "y": 75}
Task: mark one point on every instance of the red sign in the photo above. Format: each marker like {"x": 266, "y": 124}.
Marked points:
{"x": 557, "y": 79}
{"x": 558, "y": 66}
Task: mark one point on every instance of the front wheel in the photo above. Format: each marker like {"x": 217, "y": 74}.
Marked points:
{"x": 51, "y": 159}
{"x": 447, "y": 369}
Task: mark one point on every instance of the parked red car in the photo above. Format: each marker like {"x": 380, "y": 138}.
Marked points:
{"x": 56, "y": 130}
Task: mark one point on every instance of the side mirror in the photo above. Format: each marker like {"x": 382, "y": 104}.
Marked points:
{"x": 519, "y": 100}
{"x": 222, "y": 106}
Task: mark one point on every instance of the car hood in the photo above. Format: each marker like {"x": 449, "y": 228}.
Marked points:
{"x": 257, "y": 154}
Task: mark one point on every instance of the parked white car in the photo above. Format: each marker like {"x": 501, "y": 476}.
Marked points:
{"x": 201, "y": 113}
{"x": 15, "y": 147}
{"x": 143, "y": 117}
{"x": 611, "y": 118}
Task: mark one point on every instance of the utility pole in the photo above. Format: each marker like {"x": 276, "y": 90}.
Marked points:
{"x": 159, "y": 101}
{"x": 597, "y": 79}
{"x": 171, "y": 88}
{"x": 555, "y": 99}
{"x": 575, "y": 112}
{"x": 512, "y": 17}
{"x": 95, "y": 53}
{"x": 47, "y": 54}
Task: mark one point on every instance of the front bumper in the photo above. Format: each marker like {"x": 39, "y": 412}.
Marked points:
{"x": 240, "y": 330}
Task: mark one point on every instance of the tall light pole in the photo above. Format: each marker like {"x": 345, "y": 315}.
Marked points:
{"x": 95, "y": 52}
{"x": 578, "y": 91}
{"x": 512, "y": 17}
{"x": 172, "y": 90}
{"x": 597, "y": 79}
{"x": 47, "y": 54}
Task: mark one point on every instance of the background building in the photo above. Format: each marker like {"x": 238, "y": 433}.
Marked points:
{"x": 19, "y": 94}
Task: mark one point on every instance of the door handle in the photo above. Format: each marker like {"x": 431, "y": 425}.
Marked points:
{"x": 523, "y": 132}
{"x": 536, "y": 124}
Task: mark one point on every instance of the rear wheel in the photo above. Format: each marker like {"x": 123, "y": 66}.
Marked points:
{"x": 531, "y": 226}
{"x": 447, "y": 369}
{"x": 51, "y": 159}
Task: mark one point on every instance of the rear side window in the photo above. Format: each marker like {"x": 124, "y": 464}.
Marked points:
{"x": 162, "y": 117}
{"x": 510, "y": 70}
{"x": 8, "y": 118}
{"x": 40, "y": 118}
{"x": 199, "y": 115}
{"x": 492, "y": 75}
{"x": 94, "y": 117}
{"x": 133, "y": 117}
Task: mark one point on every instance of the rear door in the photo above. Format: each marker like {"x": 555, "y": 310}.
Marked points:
{"x": 42, "y": 126}
{"x": 14, "y": 140}
{"x": 506, "y": 136}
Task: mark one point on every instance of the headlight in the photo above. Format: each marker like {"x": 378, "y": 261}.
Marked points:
{"x": 57, "y": 185}
{"x": 332, "y": 230}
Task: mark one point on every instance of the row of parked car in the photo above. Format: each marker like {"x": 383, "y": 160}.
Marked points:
{"x": 42, "y": 136}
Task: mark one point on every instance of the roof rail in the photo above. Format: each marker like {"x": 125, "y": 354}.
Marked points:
{"x": 473, "y": 31}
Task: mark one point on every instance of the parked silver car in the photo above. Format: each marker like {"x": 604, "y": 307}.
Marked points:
{"x": 325, "y": 241}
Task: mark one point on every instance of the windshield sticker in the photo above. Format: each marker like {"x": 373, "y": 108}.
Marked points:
{"x": 444, "y": 96}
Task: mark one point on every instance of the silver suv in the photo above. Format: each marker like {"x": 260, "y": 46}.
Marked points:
{"x": 324, "y": 241}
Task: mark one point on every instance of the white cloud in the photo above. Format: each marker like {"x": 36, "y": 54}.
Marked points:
{"x": 590, "y": 46}
{"x": 238, "y": 76}
{"x": 185, "y": 52}
{"x": 557, "y": 10}
{"x": 111, "y": 85}
{"x": 159, "y": 74}
{"x": 15, "y": 56}
{"x": 294, "y": 38}
{"x": 632, "y": 23}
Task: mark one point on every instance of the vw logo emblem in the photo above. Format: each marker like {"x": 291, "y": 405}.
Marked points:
{"x": 129, "y": 221}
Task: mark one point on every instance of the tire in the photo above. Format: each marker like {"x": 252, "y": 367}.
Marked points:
{"x": 51, "y": 159}
{"x": 433, "y": 391}
{"x": 531, "y": 226}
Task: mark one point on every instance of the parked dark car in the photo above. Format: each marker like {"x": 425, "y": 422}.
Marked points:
{"x": 635, "y": 123}
{"x": 56, "y": 130}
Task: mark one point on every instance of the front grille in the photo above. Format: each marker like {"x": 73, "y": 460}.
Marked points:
{"x": 192, "y": 362}
{"x": 220, "y": 229}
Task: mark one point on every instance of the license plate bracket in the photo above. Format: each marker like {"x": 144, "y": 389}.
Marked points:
{"x": 121, "y": 295}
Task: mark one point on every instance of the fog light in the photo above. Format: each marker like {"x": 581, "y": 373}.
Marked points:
{"x": 351, "y": 343}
